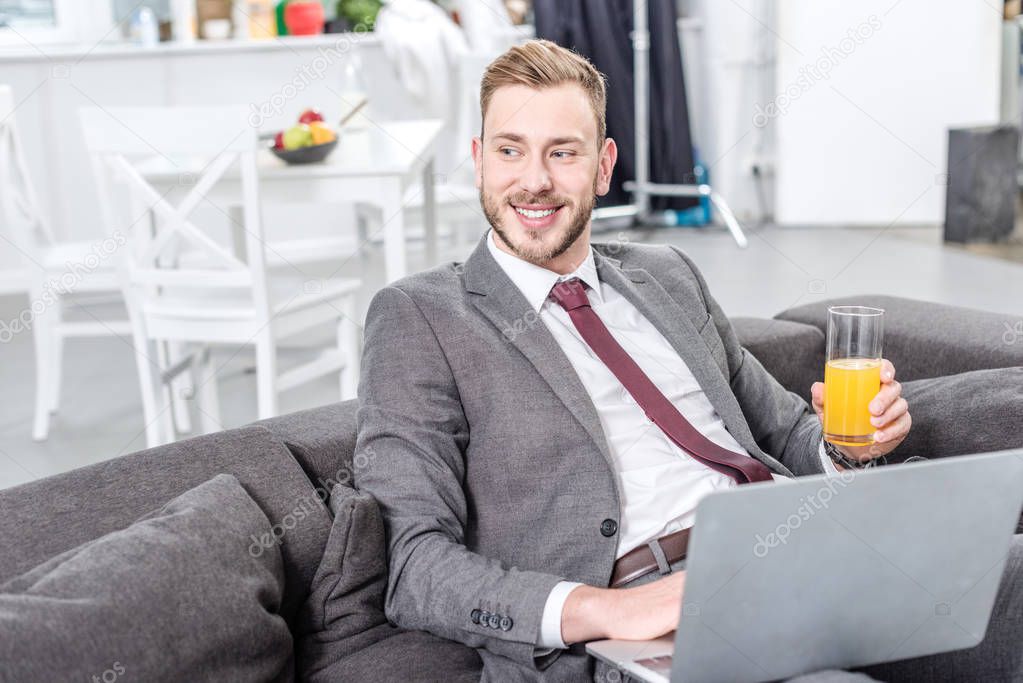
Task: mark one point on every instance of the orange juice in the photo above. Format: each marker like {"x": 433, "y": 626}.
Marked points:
{"x": 850, "y": 384}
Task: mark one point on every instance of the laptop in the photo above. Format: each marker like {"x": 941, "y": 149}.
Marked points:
{"x": 837, "y": 572}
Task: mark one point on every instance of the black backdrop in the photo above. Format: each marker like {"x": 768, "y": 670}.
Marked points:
{"x": 599, "y": 29}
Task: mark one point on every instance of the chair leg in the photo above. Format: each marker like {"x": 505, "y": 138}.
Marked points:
{"x": 155, "y": 426}
{"x": 42, "y": 338}
{"x": 348, "y": 338}
{"x": 181, "y": 389}
{"x": 206, "y": 395}
{"x": 57, "y": 359}
{"x": 266, "y": 374}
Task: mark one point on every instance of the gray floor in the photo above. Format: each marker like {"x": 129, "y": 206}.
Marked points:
{"x": 101, "y": 416}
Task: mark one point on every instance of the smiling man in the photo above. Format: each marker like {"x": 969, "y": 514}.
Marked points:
{"x": 530, "y": 503}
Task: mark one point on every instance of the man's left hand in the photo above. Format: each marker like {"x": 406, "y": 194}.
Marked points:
{"x": 889, "y": 415}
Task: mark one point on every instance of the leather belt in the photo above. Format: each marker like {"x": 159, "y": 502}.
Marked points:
{"x": 641, "y": 561}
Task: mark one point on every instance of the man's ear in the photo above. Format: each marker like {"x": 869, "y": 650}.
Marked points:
{"x": 477, "y": 160}
{"x": 606, "y": 166}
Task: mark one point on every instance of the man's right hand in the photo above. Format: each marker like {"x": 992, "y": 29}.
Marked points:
{"x": 639, "y": 613}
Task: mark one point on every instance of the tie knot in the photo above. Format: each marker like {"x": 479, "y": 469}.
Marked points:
{"x": 571, "y": 294}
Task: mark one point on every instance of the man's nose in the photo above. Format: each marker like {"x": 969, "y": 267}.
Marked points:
{"x": 536, "y": 178}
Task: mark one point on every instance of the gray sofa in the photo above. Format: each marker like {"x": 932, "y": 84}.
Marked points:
{"x": 962, "y": 375}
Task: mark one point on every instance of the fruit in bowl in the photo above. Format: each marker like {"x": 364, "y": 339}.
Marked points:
{"x": 308, "y": 141}
{"x": 310, "y": 116}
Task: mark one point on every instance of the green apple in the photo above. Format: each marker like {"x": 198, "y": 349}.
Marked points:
{"x": 298, "y": 136}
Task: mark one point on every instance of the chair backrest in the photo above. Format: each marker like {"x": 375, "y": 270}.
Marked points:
{"x": 193, "y": 149}
{"x": 21, "y": 221}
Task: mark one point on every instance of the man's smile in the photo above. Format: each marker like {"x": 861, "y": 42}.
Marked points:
{"x": 537, "y": 216}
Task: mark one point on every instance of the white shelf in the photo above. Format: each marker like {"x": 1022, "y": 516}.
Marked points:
{"x": 125, "y": 50}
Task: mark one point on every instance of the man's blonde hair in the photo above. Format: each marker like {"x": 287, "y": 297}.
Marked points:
{"x": 543, "y": 64}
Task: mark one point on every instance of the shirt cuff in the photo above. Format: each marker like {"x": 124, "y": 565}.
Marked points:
{"x": 550, "y": 622}
{"x": 826, "y": 462}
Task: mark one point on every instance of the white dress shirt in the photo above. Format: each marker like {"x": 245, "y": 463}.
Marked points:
{"x": 659, "y": 483}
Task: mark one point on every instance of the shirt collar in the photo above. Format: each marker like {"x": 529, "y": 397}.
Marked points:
{"x": 535, "y": 282}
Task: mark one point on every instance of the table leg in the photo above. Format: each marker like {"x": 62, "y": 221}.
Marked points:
{"x": 394, "y": 234}
{"x": 429, "y": 215}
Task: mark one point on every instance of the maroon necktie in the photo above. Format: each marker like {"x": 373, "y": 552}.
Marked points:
{"x": 571, "y": 294}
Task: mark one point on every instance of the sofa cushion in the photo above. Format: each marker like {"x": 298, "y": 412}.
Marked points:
{"x": 925, "y": 339}
{"x": 49, "y": 516}
{"x": 792, "y": 352}
{"x": 345, "y": 609}
{"x": 321, "y": 439}
{"x": 343, "y": 633}
{"x": 177, "y": 596}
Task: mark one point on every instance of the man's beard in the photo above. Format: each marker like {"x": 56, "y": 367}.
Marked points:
{"x": 532, "y": 249}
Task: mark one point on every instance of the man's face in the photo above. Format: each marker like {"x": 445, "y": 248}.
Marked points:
{"x": 539, "y": 169}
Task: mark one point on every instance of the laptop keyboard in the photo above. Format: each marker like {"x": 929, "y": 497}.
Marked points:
{"x": 660, "y": 665}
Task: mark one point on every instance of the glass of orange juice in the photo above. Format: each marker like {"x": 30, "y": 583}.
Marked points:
{"x": 852, "y": 374}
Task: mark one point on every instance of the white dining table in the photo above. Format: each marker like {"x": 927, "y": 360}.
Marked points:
{"x": 375, "y": 165}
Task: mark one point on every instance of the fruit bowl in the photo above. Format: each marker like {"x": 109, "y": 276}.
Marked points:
{"x": 305, "y": 155}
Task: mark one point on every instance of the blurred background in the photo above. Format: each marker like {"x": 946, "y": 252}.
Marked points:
{"x": 200, "y": 197}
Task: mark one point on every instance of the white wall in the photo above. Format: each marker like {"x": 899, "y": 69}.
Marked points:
{"x": 868, "y": 143}
{"x": 735, "y": 64}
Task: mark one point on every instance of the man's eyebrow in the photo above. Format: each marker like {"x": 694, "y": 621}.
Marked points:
{"x": 561, "y": 140}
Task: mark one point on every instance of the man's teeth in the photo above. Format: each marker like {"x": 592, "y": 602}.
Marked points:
{"x": 529, "y": 213}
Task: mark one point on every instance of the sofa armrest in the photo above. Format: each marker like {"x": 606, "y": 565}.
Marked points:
{"x": 792, "y": 352}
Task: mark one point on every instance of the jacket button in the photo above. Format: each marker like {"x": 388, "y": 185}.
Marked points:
{"x": 506, "y": 623}
{"x": 494, "y": 621}
{"x": 608, "y": 527}
{"x": 484, "y": 617}
{"x": 475, "y": 616}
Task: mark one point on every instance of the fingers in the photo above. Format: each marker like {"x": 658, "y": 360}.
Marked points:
{"x": 887, "y": 371}
{"x": 817, "y": 397}
{"x": 892, "y": 413}
{"x": 888, "y": 395}
{"x": 895, "y": 431}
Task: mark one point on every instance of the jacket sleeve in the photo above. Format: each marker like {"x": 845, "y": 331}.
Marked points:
{"x": 412, "y": 436}
{"x": 783, "y": 425}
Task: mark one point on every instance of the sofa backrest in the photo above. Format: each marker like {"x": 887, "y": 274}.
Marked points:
{"x": 925, "y": 339}
{"x": 44, "y": 518}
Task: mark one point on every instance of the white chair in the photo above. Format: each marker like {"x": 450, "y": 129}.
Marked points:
{"x": 55, "y": 275}
{"x": 184, "y": 286}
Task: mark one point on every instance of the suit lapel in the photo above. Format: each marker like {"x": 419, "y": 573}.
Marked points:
{"x": 500, "y": 300}
{"x": 654, "y": 302}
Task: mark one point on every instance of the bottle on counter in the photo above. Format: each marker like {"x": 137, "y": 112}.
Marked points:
{"x": 282, "y": 28}
{"x": 261, "y": 18}
{"x": 145, "y": 29}
{"x": 183, "y": 20}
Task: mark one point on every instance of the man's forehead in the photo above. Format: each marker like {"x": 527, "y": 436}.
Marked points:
{"x": 542, "y": 114}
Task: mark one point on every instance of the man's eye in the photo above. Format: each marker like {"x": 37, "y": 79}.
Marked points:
{"x": 507, "y": 151}
{"x": 562, "y": 154}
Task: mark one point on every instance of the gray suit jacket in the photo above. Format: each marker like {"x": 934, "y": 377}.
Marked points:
{"x": 487, "y": 457}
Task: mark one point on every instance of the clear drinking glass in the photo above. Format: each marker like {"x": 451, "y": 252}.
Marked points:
{"x": 852, "y": 373}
